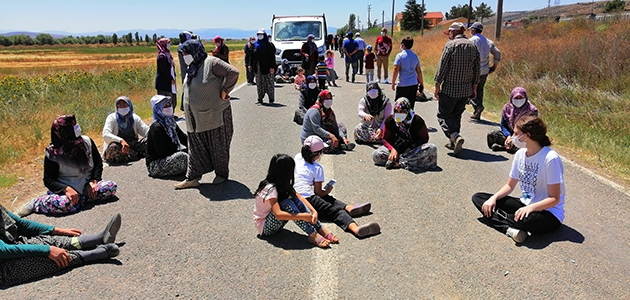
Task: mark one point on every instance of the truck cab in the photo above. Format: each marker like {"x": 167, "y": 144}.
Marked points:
{"x": 288, "y": 33}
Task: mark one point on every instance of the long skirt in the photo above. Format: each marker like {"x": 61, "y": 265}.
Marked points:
{"x": 54, "y": 204}
{"x": 364, "y": 133}
{"x": 137, "y": 150}
{"x": 173, "y": 165}
{"x": 210, "y": 150}
{"x": 421, "y": 158}
{"x": 265, "y": 84}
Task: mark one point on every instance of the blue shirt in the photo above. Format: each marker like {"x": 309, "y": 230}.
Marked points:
{"x": 350, "y": 45}
{"x": 407, "y": 61}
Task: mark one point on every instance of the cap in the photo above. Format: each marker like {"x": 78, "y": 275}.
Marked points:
{"x": 310, "y": 36}
{"x": 456, "y": 26}
{"x": 315, "y": 143}
{"x": 476, "y": 25}
{"x": 285, "y": 61}
{"x": 349, "y": 34}
{"x": 369, "y": 47}
{"x": 357, "y": 34}
{"x": 261, "y": 31}
{"x": 156, "y": 99}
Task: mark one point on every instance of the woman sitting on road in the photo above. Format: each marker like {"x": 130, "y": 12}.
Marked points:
{"x": 308, "y": 97}
{"x": 519, "y": 105}
{"x": 374, "y": 108}
{"x": 72, "y": 172}
{"x": 166, "y": 143}
{"x": 320, "y": 120}
{"x": 120, "y": 134}
{"x": 277, "y": 202}
{"x": 405, "y": 141}
{"x": 539, "y": 171}
{"x": 30, "y": 250}
{"x": 309, "y": 176}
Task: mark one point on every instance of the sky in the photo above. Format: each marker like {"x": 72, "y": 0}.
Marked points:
{"x": 77, "y": 16}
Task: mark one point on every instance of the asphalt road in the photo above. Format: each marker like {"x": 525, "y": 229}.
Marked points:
{"x": 201, "y": 243}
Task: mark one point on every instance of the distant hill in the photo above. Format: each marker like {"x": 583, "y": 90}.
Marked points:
{"x": 31, "y": 34}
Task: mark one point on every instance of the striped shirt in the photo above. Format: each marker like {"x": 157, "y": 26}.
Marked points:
{"x": 321, "y": 70}
{"x": 458, "y": 70}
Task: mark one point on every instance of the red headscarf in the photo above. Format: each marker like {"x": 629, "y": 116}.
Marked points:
{"x": 162, "y": 46}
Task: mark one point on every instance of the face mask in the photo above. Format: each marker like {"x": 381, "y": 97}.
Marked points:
{"x": 77, "y": 130}
{"x": 517, "y": 142}
{"x": 312, "y": 85}
{"x": 168, "y": 45}
{"x": 167, "y": 111}
{"x": 260, "y": 37}
{"x": 383, "y": 33}
{"x": 252, "y": 41}
{"x": 217, "y": 44}
{"x": 372, "y": 94}
{"x": 328, "y": 103}
{"x": 518, "y": 102}
{"x": 399, "y": 117}
{"x": 188, "y": 59}
{"x": 123, "y": 111}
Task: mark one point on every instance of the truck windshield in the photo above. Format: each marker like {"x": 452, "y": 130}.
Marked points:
{"x": 297, "y": 31}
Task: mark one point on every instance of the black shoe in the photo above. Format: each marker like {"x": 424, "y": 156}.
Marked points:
{"x": 347, "y": 79}
{"x": 271, "y": 101}
{"x": 347, "y": 147}
{"x": 260, "y": 101}
{"x": 352, "y": 78}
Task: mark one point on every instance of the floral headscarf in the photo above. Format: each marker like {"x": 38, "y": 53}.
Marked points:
{"x": 125, "y": 123}
{"x": 376, "y": 105}
{"x": 403, "y": 104}
{"x": 198, "y": 52}
{"x": 169, "y": 124}
{"x": 511, "y": 113}
{"x": 164, "y": 51}
{"x": 65, "y": 147}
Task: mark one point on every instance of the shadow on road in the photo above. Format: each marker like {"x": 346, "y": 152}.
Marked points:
{"x": 470, "y": 154}
{"x": 229, "y": 190}
{"x": 485, "y": 122}
{"x": 564, "y": 233}
{"x": 272, "y": 104}
{"x": 288, "y": 240}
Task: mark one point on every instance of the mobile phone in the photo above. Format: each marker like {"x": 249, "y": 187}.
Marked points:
{"x": 330, "y": 184}
{"x": 501, "y": 213}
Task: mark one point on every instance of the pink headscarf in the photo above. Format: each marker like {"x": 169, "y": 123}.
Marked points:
{"x": 162, "y": 46}
{"x": 511, "y": 113}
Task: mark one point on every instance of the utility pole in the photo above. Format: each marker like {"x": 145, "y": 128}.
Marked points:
{"x": 497, "y": 32}
{"x": 469, "y": 12}
{"x": 359, "y": 23}
{"x": 422, "y": 19}
{"x": 383, "y": 20}
{"x": 393, "y": 19}
{"x": 369, "y": 21}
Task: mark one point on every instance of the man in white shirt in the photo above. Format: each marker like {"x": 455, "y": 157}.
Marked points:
{"x": 361, "y": 53}
{"x": 486, "y": 47}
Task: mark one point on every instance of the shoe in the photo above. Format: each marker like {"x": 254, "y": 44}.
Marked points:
{"x": 496, "y": 147}
{"x": 386, "y": 81}
{"x": 389, "y": 165}
{"x": 369, "y": 230}
{"x": 260, "y": 101}
{"x": 26, "y": 209}
{"x": 347, "y": 147}
{"x": 186, "y": 184}
{"x": 271, "y": 101}
{"x": 335, "y": 85}
{"x": 459, "y": 142}
{"x": 347, "y": 79}
{"x": 111, "y": 230}
{"x": 352, "y": 78}
{"x": 378, "y": 80}
{"x": 449, "y": 146}
{"x": 517, "y": 235}
{"x": 219, "y": 180}
{"x": 360, "y": 209}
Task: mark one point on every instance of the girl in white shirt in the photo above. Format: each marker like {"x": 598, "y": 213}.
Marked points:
{"x": 539, "y": 171}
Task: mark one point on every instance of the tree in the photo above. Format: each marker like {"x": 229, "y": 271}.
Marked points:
{"x": 115, "y": 39}
{"x": 483, "y": 11}
{"x": 458, "y": 12}
{"x": 137, "y": 38}
{"x": 100, "y": 39}
{"x": 154, "y": 38}
{"x": 412, "y": 15}
{"x": 44, "y": 39}
{"x": 147, "y": 39}
{"x": 343, "y": 31}
{"x": 614, "y": 5}
{"x": 129, "y": 39}
{"x": 5, "y": 41}
{"x": 352, "y": 23}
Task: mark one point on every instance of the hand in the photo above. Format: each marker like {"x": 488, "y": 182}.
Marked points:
{"x": 125, "y": 147}
{"x": 508, "y": 143}
{"x": 346, "y": 141}
{"x": 67, "y": 231}
{"x": 393, "y": 86}
{"x": 249, "y": 68}
{"x": 60, "y": 256}
{"x": 272, "y": 71}
{"x": 488, "y": 207}
{"x": 379, "y": 134}
{"x": 313, "y": 217}
{"x": 335, "y": 142}
{"x": 72, "y": 195}
{"x": 368, "y": 118}
{"x": 523, "y": 213}
{"x": 436, "y": 94}
{"x": 225, "y": 95}
{"x": 92, "y": 189}
{"x": 393, "y": 155}
{"x": 492, "y": 69}
{"x": 474, "y": 94}
{"x": 172, "y": 81}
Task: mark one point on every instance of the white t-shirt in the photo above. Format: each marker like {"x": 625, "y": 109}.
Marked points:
{"x": 306, "y": 175}
{"x": 534, "y": 173}
{"x": 262, "y": 206}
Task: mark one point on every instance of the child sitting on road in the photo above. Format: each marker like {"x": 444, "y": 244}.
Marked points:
{"x": 330, "y": 65}
{"x": 369, "y": 64}
{"x": 322, "y": 73}
{"x": 300, "y": 79}
{"x": 277, "y": 202}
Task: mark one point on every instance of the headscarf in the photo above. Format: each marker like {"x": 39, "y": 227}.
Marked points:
{"x": 310, "y": 95}
{"x": 328, "y": 115}
{"x": 162, "y": 46}
{"x": 219, "y": 40}
{"x": 158, "y": 102}
{"x": 183, "y": 37}
{"x": 262, "y": 44}
{"x": 198, "y": 52}
{"x": 125, "y": 123}
{"x": 66, "y": 148}
{"x": 511, "y": 113}
{"x": 311, "y": 44}
{"x": 376, "y": 105}
{"x": 404, "y": 127}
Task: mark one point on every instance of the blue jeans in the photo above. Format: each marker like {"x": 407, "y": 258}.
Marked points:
{"x": 291, "y": 205}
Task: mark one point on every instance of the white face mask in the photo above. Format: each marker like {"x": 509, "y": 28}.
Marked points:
{"x": 519, "y": 102}
{"x": 260, "y": 37}
{"x": 252, "y": 41}
{"x": 167, "y": 111}
{"x": 123, "y": 111}
{"x": 399, "y": 117}
{"x": 168, "y": 46}
{"x": 328, "y": 103}
{"x": 517, "y": 142}
{"x": 188, "y": 59}
{"x": 77, "y": 130}
{"x": 383, "y": 33}
{"x": 372, "y": 93}
{"x": 312, "y": 85}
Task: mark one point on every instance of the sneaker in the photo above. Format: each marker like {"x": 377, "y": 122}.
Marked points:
{"x": 186, "y": 184}
{"x": 347, "y": 147}
{"x": 219, "y": 180}
{"x": 517, "y": 235}
{"x": 386, "y": 81}
{"x": 459, "y": 142}
{"x": 378, "y": 80}
{"x": 496, "y": 147}
{"x": 368, "y": 230}
{"x": 260, "y": 101}
{"x": 449, "y": 146}
{"x": 26, "y": 209}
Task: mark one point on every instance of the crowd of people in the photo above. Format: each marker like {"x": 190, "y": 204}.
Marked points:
{"x": 293, "y": 188}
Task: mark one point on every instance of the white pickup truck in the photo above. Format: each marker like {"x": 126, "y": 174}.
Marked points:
{"x": 288, "y": 33}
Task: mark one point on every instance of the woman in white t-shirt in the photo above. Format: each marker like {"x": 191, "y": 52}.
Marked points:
{"x": 539, "y": 172}
{"x": 277, "y": 202}
{"x": 309, "y": 176}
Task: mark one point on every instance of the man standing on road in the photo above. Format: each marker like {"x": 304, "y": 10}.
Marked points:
{"x": 485, "y": 47}
{"x": 383, "y": 46}
{"x": 455, "y": 82}
{"x": 350, "y": 48}
{"x": 361, "y": 52}
{"x": 407, "y": 64}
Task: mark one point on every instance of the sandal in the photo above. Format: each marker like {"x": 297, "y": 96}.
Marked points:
{"x": 319, "y": 241}
{"x": 360, "y": 209}
{"x": 332, "y": 238}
